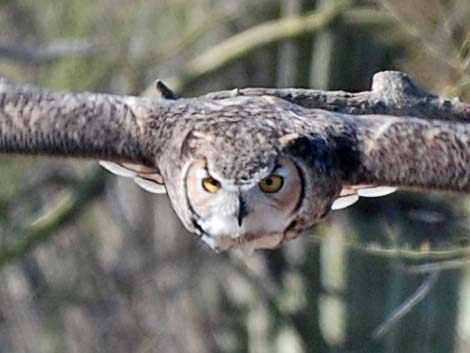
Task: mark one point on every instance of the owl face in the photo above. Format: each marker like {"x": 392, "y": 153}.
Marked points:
{"x": 254, "y": 214}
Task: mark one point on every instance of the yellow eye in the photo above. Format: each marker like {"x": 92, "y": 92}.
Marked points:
{"x": 210, "y": 185}
{"x": 272, "y": 183}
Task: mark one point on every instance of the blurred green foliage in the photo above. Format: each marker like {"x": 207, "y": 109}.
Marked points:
{"x": 111, "y": 270}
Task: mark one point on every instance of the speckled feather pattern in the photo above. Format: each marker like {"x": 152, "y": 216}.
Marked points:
{"x": 240, "y": 138}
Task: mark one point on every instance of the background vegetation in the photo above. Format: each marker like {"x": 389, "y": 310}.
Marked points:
{"x": 91, "y": 263}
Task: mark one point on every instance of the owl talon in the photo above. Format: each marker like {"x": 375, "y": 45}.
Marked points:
{"x": 345, "y": 201}
{"x": 117, "y": 169}
{"x": 350, "y": 194}
{"x": 377, "y": 191}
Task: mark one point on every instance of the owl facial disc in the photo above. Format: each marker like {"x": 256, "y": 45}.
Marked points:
{"x": 254, "y": 215}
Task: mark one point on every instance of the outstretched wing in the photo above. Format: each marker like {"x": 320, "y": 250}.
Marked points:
{"x": 85, "y": 125}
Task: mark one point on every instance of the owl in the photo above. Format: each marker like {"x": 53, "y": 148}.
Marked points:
{"x": 242, "y": 171}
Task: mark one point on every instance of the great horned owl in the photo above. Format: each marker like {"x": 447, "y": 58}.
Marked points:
{"x": 246, "y": 170}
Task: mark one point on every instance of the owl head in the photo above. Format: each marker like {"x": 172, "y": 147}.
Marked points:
{"x": 250, "y": 171}
{"x": 250, "y": 177}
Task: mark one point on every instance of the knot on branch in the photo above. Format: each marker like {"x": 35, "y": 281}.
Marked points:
{"x": 395, "y": 85}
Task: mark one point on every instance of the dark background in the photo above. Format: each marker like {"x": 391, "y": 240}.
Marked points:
{"x": 91, "y": 263}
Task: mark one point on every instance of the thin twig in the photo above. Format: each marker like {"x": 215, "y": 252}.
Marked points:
{"x": 406, "y": 306}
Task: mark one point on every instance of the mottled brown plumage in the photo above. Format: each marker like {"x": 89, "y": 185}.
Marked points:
{"x": 238, "y": 141}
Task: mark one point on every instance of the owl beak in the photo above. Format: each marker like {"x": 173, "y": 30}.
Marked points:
{"x": 242, "y": 211}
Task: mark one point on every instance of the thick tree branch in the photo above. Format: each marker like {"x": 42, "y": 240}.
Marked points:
{"x": 392, "y": 93}
{"x": 83, "y": 125}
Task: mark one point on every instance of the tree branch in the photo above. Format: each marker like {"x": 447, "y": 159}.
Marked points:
{"x": 36, "y": 120}
{"x": 381, "y": 150}
{"x": 393, "y": 93}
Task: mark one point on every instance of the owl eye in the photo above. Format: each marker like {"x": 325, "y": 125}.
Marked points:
{"x": 272, "y": 183}
{"x": 210, "y": 185}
